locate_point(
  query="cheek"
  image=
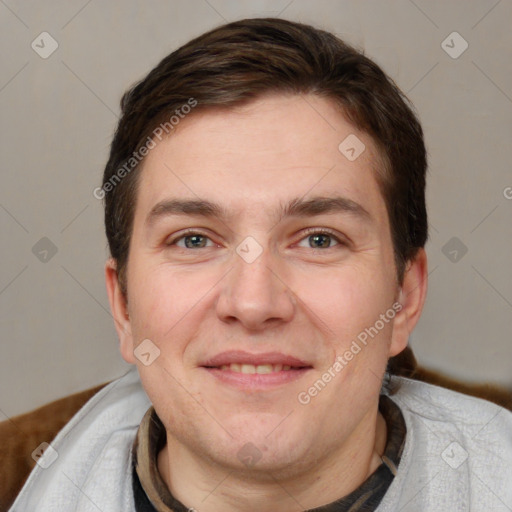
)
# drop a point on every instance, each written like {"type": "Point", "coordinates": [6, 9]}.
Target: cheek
{"type": "Point", "coordinates": [161, 298]}
{"type": "Point", "coordinates": [346, 302]}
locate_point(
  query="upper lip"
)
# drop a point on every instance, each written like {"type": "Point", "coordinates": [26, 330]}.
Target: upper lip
{"type": "Point", "coordinates": [241, 357]}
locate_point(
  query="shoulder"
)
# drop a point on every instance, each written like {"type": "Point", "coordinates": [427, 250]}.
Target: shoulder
{"type": "Point", "coordinates": [457, 453]}
{"type": "Point", "coordinates": [446, 407]}
{"type": "Point", "coordinates": [91, 455]}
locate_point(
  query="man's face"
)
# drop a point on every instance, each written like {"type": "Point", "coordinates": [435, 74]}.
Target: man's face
{"type": "Point", "coordinates": [259, 284]}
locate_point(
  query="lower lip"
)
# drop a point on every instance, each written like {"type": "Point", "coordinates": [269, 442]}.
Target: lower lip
{"type": "Point", "coordinates": [257, 380]}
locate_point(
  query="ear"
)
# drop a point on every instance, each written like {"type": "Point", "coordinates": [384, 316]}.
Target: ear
{"type": "Point", "coordinates": [412, 298]}
{"type": "Point", "coordinates": [119, 309]}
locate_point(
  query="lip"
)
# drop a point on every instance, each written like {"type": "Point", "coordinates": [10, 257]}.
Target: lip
{"type": "Point", "coordinates": [242, 357]}
{"type": "Point", "coordinates": [255, 381]}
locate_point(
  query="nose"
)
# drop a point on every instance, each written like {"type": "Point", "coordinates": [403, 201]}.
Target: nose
{"type": "Point", "coordinates": [256, 293]}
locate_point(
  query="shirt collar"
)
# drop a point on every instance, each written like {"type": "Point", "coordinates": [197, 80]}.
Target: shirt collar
{"type": "Point", "coordinates": [152, 494]}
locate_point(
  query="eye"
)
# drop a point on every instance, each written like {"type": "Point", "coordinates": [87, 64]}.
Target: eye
{"type": "Point", "coordinates": [321, 239]}
{"type": "Point", "coordinates": [315, 238]}
{"type": "Point", "coordinates": [191, 240]}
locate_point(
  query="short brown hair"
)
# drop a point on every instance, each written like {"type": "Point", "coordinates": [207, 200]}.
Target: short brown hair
{"type": "Point", "coordinates": [240, 61]}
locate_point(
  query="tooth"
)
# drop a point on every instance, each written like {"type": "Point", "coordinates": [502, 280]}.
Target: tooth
{"type": "Point", "coordinates": [251, 369]}
{"type": "Point", "coordinates": [264, 368]}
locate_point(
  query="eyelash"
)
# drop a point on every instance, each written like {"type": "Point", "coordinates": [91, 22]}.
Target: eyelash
{"type": "Point", "coordinates": [307, 233]}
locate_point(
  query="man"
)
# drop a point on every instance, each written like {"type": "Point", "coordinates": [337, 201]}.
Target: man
{"type": "Point", "coordinates": [265, 212]}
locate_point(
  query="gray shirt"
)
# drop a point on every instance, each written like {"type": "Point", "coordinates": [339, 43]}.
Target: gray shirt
{"type": "Point", "coordinates": [457, 454]}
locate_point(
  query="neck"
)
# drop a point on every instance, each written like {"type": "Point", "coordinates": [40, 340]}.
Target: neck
{"type": "Point", "coordinates": [208, 487]}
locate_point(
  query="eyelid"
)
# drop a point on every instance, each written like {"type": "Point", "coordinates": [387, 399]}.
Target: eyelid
{"type": "Point", "coordinates": [184, 233]}
{"type": "Point", "coordinates": [324, 231]}
{"type": "Point", "coordinates": [305, 233]}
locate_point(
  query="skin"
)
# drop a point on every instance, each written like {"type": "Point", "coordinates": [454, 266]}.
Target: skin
{"type": "Point", "coordinates": [299, 297]}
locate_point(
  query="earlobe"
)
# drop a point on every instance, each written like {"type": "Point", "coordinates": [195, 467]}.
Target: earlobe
{"type": "Point", "coordinates": [119, 310]}
{"type": "Point", "coordinates": [412, 299]}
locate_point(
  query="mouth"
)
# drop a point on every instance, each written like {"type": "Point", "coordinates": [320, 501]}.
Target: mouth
{"type": "Point", "coordinates": [260, 369]}
{"type": "Point", "coordinates": [255, 371]}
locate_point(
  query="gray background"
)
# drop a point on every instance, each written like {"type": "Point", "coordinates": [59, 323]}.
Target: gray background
{"type": "Point", "coordinates": [59, 113]}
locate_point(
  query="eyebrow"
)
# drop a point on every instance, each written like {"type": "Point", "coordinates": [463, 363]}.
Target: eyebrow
{"type": "Point", "coordinates": [297, 207]}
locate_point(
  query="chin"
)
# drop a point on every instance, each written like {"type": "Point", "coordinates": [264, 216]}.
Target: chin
{"type": "Point", "coordinates": [260, 449]}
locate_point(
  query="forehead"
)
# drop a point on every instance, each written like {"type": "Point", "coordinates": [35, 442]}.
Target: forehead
{"type": "Point", "coordinates": [254, 159]}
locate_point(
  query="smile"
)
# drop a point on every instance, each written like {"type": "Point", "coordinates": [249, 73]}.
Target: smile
{"type": "Point", "coordinates": [250, 368]}
{"type": "Point", "coordinates": [252, 371]}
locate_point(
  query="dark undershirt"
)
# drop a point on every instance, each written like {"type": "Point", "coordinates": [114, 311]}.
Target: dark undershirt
{"type": "Point", "coordinates": [151, 438]}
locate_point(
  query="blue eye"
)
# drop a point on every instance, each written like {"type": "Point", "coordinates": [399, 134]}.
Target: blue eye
{"type": "Point", "coordinates": [321, 239]}
{"type": "Point", "coordinates": [315, 238]}
{"type": "Point", "coordinates": [191, 241]}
